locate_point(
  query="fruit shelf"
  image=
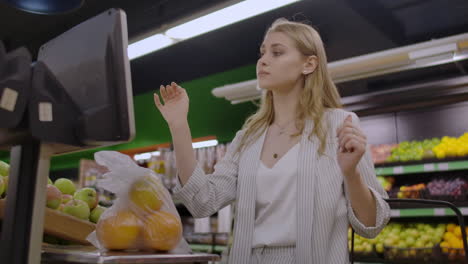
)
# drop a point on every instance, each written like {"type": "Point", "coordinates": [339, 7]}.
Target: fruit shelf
{"type": "Point", "coordinates": [397, 258]}
{"type": "Point", "coordinates": [61, 225]}
{"type": "Point", "coordinates": [428, 166]}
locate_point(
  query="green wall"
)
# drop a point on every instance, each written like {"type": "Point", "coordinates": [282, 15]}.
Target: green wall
{"type": "Point", "coordinates": [208, 115]}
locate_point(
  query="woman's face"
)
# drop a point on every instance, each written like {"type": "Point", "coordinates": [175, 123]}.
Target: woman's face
{"type": "Point", "coordinates": [280, 65]}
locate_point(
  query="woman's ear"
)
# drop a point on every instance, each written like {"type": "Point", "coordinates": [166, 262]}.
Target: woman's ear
{"type": "Point", "coordinates": [310, 65]}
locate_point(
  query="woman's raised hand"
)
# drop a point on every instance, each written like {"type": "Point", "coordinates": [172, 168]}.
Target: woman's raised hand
{"type": "Point", "coordinates": [175, 105]}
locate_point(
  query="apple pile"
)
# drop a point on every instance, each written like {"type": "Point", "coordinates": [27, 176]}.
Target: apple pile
{"type": "Point", "coordinates": [381, 152]}
{"type": "Point", "coordinates": [4, 172]}
{"type": "Point", "coordinates": [452, 147]}
{"type": "Point", "coordinates": [361, 244]}
{"type": "Point", "coordinates": [82, 203]}
{"type": "Point", "coordinates": [403, 236]}
{"type": "Point", "coordinates": [454, 187]}
{"type": "Point", "coordinates": [414, 150]}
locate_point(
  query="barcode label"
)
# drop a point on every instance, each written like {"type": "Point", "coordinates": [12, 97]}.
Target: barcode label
{"type": "Point", "coordinates": [429, 167]}
{"type": "Point", "coordinates": [443, 166]}
{"type": "Point", "coordinates": [398, 170]}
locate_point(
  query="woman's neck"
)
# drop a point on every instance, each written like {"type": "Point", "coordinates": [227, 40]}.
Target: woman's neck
{"type": "Point", "coordinates": [285, 106]}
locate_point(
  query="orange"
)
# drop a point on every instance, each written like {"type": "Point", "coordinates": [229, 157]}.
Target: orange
{"type": "Point", "coordinates": [144, 193]}
{"type": "Point", "coordinates": [119, 231]}
{"type": "Point", "coordinates": [162, 231]}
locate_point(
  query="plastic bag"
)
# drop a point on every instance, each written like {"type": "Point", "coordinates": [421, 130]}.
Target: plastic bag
{"type": "Point", "coordinates": [143, 216]}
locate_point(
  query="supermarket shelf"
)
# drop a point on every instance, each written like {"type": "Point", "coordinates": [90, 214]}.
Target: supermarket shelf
{"type": "Point", "coordinates": [424, 167]}
{"type": "Point", "coordinates": [426, 212]}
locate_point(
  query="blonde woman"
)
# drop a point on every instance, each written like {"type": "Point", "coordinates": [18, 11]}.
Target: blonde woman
{"type": "Point", "coordinates": [299, 171]}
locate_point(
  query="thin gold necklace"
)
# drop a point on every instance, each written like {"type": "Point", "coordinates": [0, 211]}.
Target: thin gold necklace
{"type": "Point", "coordinates": [283, 128]}
{"type": "Point", "coordinates": [281, 132]}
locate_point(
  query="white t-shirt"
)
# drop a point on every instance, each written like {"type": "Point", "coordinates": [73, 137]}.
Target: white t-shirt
{"type": "Point", "coordinates": [275, 208]}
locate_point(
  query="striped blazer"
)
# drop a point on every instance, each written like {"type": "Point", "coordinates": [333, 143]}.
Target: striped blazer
{"type": "Point", "coordinates": [323, 209]}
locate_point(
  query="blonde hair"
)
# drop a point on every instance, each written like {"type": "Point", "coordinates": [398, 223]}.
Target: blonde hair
{"type": "Point", "coordinates": [318, 94]}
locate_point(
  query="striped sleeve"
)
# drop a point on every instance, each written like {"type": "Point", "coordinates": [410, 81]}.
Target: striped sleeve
{"type": "Point", "coordinates": [367, 171]}
{"type": "Point", "coordinates": [205, 194]}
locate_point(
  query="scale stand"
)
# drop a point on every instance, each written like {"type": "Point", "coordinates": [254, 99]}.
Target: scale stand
{"type": "Point", "coordinates": [24, 216]}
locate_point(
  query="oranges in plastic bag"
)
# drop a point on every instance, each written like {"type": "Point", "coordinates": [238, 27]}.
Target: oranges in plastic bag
{"type": "Point", "coordinates": [162, 231]}
{"type": "Point", "coordinates": [119, 231]}
{"type": "Point", "coordinates": [144, 195]}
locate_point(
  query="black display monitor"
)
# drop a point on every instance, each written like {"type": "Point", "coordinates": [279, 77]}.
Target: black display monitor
{"type": "Point", "coordinates": [80, 96]}
{"type": "Point", "coordinates": [81, 86]}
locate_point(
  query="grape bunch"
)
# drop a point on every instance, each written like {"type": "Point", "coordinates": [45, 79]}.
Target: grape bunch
{"type": "Point", "coordinates": [455, 187]}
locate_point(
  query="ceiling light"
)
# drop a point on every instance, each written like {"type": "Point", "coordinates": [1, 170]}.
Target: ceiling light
{"type": "Point", "coordinates": [148, 45]}
{"type": "Point", "coordinates": [426, 54]}
{"type": "Point", "coordinates": [224, 17]}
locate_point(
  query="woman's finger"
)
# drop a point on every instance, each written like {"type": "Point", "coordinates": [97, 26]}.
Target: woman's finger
{"type": "Point", "coordinates": [157, 101]}
{"type": "Point", "coordinates": [162, 90]}
{"type": "Point", "coordinates": [169, 92]}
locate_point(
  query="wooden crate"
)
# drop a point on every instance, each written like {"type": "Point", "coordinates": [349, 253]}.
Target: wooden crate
{"type": "Point", "coordinates": [61, 225]}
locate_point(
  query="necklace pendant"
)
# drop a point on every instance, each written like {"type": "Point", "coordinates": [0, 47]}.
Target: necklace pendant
{"type": "Point", "coordinates": [275, 155]}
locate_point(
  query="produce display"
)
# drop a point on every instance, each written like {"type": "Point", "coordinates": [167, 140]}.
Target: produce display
{"type": "Point", "coordinates": [63, 196]}
{"type": "Point", "coordinates": [413, 191]}
{"type": "Point", "coordinates": [441, 187]}
{"type": "Point", "coordinates": [440, 148]}
{"type": "Point", "coordinates": [397, 241]}
{"type": "Point", "coordinates": [452, 147]}
{"type": "Point", "coordinates": [414, 150]}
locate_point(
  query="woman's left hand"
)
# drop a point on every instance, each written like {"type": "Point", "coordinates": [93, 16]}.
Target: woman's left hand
{"type": "Point", "coordinates": [351, 146]}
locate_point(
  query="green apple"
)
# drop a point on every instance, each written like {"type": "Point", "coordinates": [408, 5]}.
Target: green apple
{"type": "Point", "coordinates": [49, 181]}
{"type": "Point", "coordinates": [96, 213]}
{"type": "Point", "coordinates": [77, 208]}
{"type": "Point", "coordinates": [66, 198]}
{"type": "Point", "coordinates": [4, 168]}
{"type": "Point", "coordinates": [2, 186]}
{"type": "Point", "coordinates": [88, 195]}
{"type": "Point", "coordinates": [66, 186]}
{"type": "Point", "coordinates": [5, 182]}
{"type": "Point", "coordinates": [54, 197]}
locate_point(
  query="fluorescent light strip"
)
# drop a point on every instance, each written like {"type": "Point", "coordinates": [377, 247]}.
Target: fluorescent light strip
{"type": "Point", "coordinates": [146, 155]}
{"type": "Point", "coordinates": [204, 144]}
{"type": "Point", "coordinates": [204, 24]}
{"type": "Point", "coordinates": [224, 17]}
{"type": "Point", "coordinates": [147, 45]}
{"type": "Point", "coordinates": [201, 144]}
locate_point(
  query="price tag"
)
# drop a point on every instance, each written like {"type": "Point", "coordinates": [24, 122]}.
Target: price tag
{"type": "Point", "coordinates": [429, 167]}
{"type": "Point", "coordinates": [398, 170]}
{"type": "Point", "coordinates": [443, 166]}
{"type": "Point", "coordinates": [395, 213]}
{"type": "Point", "coordinates": [439, 212]}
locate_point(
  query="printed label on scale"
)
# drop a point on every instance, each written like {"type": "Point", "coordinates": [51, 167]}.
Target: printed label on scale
{"type": "Point", "coordinates": [8, 100]}
{"type": "Point", "coordinates": [45, 112]}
